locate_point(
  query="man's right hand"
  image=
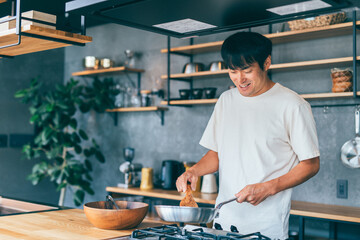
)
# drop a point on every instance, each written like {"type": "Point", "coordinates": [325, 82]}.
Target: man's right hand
{"type": "Point", "coordinates": [188, 176]}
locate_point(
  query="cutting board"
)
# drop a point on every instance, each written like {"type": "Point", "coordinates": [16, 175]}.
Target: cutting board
{"type": "Point", "coordinates": [30, 14]}
{"type": "Point", "coordinates": [63, 224]}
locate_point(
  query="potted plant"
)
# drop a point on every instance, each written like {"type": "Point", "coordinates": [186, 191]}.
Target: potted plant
{"type": "Point", "coordinates": [65, 150]}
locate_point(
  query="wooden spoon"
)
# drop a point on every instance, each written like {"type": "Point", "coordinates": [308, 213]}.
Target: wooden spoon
{"type": "Point", "coordinates": [188, 200]}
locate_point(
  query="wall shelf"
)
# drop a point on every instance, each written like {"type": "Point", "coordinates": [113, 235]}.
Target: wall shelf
{"type": "Point", "coordinates": [305, 96]}
{"type": "Point", "coordinates": [333, 62]}
{"type": "Point", "coordinates": [190, 102]}
{"type": "Point", "coordinates": [93, 72]}
{"type": "Point", "coordinates": [36, 39]}
{"type": "Point", "coordinates": [138, 109]}
{"type": "Point", "coordinates": [156, 109]}
{"type": "Point", "coordinates": [282, 37]}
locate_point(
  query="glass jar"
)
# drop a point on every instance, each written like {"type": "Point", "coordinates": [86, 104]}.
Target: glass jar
{"type": "Point", "coordinates": [135, 98]}
{"type": "Point", "coordinates": [145, 98]}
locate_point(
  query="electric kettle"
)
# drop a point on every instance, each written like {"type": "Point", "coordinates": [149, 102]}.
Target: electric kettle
{"type": "Point", "coordinates": [170, 171]}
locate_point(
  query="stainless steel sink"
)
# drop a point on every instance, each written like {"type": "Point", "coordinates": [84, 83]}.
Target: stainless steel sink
{"type": "Point", "coordinates": [11, 206]}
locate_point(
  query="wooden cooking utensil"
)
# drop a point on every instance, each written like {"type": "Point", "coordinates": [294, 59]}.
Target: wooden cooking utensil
{"type": "Point", "coordinates": [188, 200]}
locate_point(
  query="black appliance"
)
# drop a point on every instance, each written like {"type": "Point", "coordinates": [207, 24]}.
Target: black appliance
{"type": "Point", "coordinates": [170, 171]}
{"type": "Point", "coordinates": [190, 232]}
{"type": "Point", "coordinates": [189, 18]}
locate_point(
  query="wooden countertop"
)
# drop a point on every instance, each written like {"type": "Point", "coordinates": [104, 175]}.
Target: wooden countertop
{"type": "Point", "coordinates": [298, 208]}
{"type": "Point", "coordinates": [63, 224]}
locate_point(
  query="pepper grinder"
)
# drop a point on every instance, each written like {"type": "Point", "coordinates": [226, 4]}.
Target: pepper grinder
{"type": "Point", "coordinates": [130, 169]}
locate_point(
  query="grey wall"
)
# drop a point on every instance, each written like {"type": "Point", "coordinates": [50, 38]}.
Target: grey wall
{"type": "Point", "coordinates": [15, 74]}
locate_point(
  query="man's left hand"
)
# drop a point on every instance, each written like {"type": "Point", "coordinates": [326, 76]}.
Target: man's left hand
{"type": "Point", "coordinates": [254, 193]}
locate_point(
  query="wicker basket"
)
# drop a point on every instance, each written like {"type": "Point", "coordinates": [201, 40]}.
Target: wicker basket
{"type": "Point", "coordinates": [320, 21]}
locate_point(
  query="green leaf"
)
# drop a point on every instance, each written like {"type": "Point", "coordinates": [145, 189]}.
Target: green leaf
{"type": "Point", "coordinates": [87, 153]}
{"type": "Point", "coordinates": [73, 123]}
{"type": "Point", "coordinates": [100, 156]}
{"type": "Point", "coordinates": [77, 149]}
{"type": "Point", "coordinates": [34, 118]}
{"type": "Point", "coordinates": [21, 93]}
{"type": "Point", "coordinates": [62, 185]}
{"type": "Point", "coordinates": [88, 164]}
{"type": "Point", "coordinates": [83, 135]}
{"type": "Point", "coordinates": [79, 197]}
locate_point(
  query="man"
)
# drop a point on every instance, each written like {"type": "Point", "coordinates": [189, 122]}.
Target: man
{"type": "Point", "coordinates": [261, 138]}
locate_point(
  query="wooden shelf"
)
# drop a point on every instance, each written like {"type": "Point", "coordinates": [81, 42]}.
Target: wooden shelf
{"type": "Point", "coordinates": [191, 102]}
{"type": "Point", "coordinates": [32, 44]}
{"type": "Point", "coordinates": [333, 62]}
{"type": "Point", "coordinates": [106, 71]}
{"type": "Point", "coordinates": [305, 96]}
{"type": "Point", "coordinates": [138, 109]}
{"type": "Point", "coordinates": [282, 37]}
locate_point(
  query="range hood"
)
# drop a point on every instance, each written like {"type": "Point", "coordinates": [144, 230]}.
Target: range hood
{"type": "Point", "coordinates": [188, 18]}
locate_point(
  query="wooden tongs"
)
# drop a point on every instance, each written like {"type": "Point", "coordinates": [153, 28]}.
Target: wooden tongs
{"type": "Point", "coordinates": [188, 200]}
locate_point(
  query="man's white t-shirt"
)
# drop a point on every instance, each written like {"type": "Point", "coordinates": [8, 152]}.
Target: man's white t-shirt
{"type": "Point", "coordinates": [258, 139]}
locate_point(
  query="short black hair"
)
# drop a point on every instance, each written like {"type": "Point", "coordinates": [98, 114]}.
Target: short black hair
{"type": "Point", "coordinates": [242, 49]}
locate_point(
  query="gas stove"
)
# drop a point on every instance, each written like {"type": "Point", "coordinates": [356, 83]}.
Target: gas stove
{"type": "Point", "coordinates": [190, 232]}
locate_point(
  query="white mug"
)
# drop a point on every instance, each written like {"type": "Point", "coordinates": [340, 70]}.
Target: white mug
{"type": "Point", "coordinates": [209, 184]}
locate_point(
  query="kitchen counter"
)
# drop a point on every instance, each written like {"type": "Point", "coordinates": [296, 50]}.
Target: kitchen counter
{"type": "Point", "coordinates": [62, 224]}
{"type": "Point", "coordinates": [298, 208]}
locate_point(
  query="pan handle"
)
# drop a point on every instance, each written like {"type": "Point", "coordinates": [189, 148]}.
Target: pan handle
{"type": "Point", "coordinates": [224, 202]}
{"type": "Point", "coordinates": [357, 122]}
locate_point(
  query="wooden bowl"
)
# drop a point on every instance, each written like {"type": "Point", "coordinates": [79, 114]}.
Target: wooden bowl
{"type": "Point", "coordinates": [128, 216]}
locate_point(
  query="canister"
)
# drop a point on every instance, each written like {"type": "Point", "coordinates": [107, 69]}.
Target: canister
{"type": "Point", "coordinates": [146, 179]}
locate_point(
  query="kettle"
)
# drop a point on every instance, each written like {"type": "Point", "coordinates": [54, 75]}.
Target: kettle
{"type": "Point", "coordinates": [170, 171]}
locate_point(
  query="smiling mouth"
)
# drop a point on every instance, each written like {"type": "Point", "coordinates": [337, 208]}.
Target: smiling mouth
{"type": "Point", "coordinates": [244, 86]}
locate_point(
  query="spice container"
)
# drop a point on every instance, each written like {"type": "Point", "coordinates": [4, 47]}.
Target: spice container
{"type": "Point", "coordinates": [342, 80]}
{"type": "Point", "coordinates": [145, 98]}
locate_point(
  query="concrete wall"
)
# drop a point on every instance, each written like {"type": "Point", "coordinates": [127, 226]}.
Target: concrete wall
{"type": "Point", "coordinates": [178, 138]}
{"type": "Point", "coordinates": [15, 74]}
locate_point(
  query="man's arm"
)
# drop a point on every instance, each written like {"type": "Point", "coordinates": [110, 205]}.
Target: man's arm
{"type": "Point", "coordinates": [256, 193]}
{"type": "Point", "coordinates": [209, 163]}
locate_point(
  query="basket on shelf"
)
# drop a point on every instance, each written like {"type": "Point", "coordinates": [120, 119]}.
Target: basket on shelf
{"type": "Point", "coordinates": [319, 21]}
{"type": "Point", "coordinates": [342, 80]}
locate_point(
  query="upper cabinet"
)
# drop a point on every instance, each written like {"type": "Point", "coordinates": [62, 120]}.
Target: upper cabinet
{"type": "Point", "coordinates": [276, 38]}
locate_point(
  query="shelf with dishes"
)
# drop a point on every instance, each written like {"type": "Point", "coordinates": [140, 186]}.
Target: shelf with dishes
{"type": "Point", "coordinates": [102, 71]}
{"type": "Point", "coordinates": [332, 62]}
{"type": "Point", "coordinates": [36, 39]}
{"type": "Point", "coordinates": [308, 96]}
{"type": "Point", "coordinates": [276, 38]}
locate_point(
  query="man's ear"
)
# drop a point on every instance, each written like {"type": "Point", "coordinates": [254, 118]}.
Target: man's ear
{"type": "Point", "coordinates": [267, 63]}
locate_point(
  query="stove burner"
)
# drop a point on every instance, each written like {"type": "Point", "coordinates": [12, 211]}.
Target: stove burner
{"type": "Point", "coordinates": [173, 232]}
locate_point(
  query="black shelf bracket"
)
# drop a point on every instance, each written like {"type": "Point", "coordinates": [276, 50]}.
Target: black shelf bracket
{"type": "Point", "coordinates": [354, 56]}
{"type": "Point", "coordinates": [161, 114]}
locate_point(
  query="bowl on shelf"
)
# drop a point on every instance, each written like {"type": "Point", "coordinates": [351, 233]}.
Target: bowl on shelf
{"type": "Point", "coordinates": [128, 216]}
{"type": "Point", "coordinates": [197, 93]}
{"type": "Point", "coordinates": [217, 66]}
{"type": "Point", "coordinates": [184, 93]}
{"type": "Point", "coordinates": [193, 67]}
{"type": "Point", "coordinates": [210, 92]}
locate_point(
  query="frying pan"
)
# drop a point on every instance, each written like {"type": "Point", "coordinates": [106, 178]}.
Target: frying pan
{"type": "Point", "coordinates": [351, 149]}
{"type": "Point", "coordinates": [189, 214]}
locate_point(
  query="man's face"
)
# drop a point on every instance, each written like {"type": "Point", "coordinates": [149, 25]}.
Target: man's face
{"type": "Point", "coordinates": [251, 81]}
